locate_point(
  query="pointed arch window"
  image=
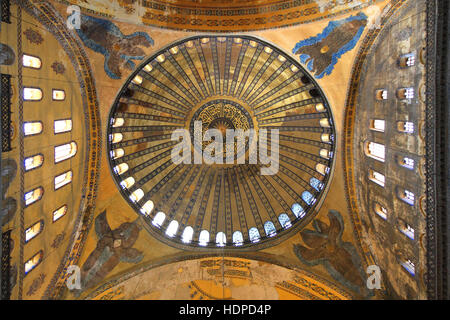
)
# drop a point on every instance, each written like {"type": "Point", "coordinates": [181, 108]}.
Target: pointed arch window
{"type": "Point", "coordinates": [65, 151]}
{"type": "Point", "coordinates": [284, 220]}
{"type": "Point", "coordinates": [33, 162]}
{"type": "Point", "coordinates": [159, 218]}
{"type": "Point", "coordinates": [253, 235]}
{"type": "Point", "coordinates": [32, 128]}
{"type": "Point", "coordinates": [221, 239]}
{"type": "Point", "coordinates": [59, 213]}
{"type": "Point", "coordinates": [33, 262]}
{"type": "Point", "coordinates": [172, 228]}
{"type": "Point", "coordinates": [203, 239]}
{"type": "Point", "coordinates": [188, 232]}
{"type": "Point", "coordinates": [34, 230]}
{"type": "Point", "coordinates": [34, 195]}
{"type": "Point", "coordinates": [269, 228]}
{"type": "Point", "coordinates": [238, 239]}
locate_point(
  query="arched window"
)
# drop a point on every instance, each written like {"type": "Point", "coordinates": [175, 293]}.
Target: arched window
{"type": "Point", "coordinates": [137, 79]}
{"type": "Point", "coordinates": [322, 169]}
{"type": "Point", "coordinates": [159, 219]}
{"type": "Point", "coordinates": [33, 162]}
{"type": "Point", "coordinates": [63, 179]}
{"type": "Point", "coordinates": [58, 94]}
{"type": "Point", "coordinates": [308, 197]}
{"type": "Point", "coordinates": [409, 266]}
{"type": "Point", "coordinates": [253, 235]}
{"type": "Point", "coordinates": [380, 211]}
{"type": "Point", "coordinates": [34, 230]}
{"type": "Point", "coordinates": [238, 239]}
{"type": "Point", "coordinates": [377, 125]}
{"type": "Point", "coordinates": [406, 229]}
{"type": "Point", "coordinates": [381, 94]}
{"type": "Point", "coordinates": [32, 94]}
{"type": "Point", "coordinates": [32, 128]}
{"type": "Point", "coordinates": [221, 239]}
{"type": "Point", "coordinates": [121, 168]}
{"type": "Point", "coordinates": [324, 153]}
{"type": "Point", "coordinates": [117, 153]}
{"type": "Point", "coordinates": [375, 151]}
{"type": "Point", "coordinates": [115, 137]}
{"type": "Point", "coordinates": [172, 228]}
{"type": "Point", "coordinates": [324, 122]}
{"type": "Point", "coordinates": [405, 126]}
{"type": "Point", "coordinates": [127, 183]}
{"type": "Point", "coordinates": [188, 232]}
{"type": "Point", "coordinates": [33, 195]}
{"type": "Point", "coordinates": [33, 262]}
{"type": "Point", "coordinates": [406, 196]}
{"type": "Point", "coordinates": [284, 220]}
{"type": "Point", "coordinates": [316, 184]}
{"type": "Point", "coordinates": [147, 208]}
{"type": "Point", "coordinates": [326, 137]}
{"type": "Point", "coordinates": [297, 210]}
{"type": "Point", "coordinates": [405, 93]}
{"type": "Point", "coordinates": [118, 122]}
{"type": "Point", "coordinates": [203, 239]}
{"type": "Point", "coordinates": [59, 213]}
{"type": "Point", "coordinates": [320, 107]}
{"type": "Point", "coordinates": [148, 68]}
{"type": "Point", "coordinates": [31, 61]}
{"type": "Point", "coordinates": [161, 58]}
{"type": "Point", "coordinates": [376, 177]}
{"type": "Point", "coordinates": [61, 126]}
{"type": "Point", "coordinates": [65, 151]}
{"type": "Point", "coordinates": [406, 162]}
{"type": "Point", "coordinates": [269, 228]}
{"type": "Point", "coordinates": [137, 195]}
{"type": "Point", "coordinates": [407, 60]}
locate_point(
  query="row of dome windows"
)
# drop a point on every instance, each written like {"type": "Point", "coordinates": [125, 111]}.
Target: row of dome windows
{"type": "Point", "coordinates": [377, 151]}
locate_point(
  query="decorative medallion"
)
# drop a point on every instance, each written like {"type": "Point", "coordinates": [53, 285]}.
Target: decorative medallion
{"type": "Point", "coordinates": [36, 284]}
{"type": "Point", "coordinates": [33, 36]}
{"type": "Point", "coordinates": [58, 67]}
{"type": "Point", "coordinates": [58, 240]}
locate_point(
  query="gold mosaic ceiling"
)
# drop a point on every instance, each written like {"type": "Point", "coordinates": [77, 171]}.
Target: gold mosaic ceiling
{"type": "Point", "coordinates": [228, 83]}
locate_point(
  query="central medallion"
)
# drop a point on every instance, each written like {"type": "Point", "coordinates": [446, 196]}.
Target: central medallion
{"type": "Point", "coordinates": [223, 115]}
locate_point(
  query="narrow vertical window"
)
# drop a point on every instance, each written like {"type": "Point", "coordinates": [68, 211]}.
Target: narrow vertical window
{"type": "Point", "coordinates": [147, 208]}
{"type": "Point", "coordinates": [316, 184]}
{"type": "Point", "coordinates": [269, 229]}
{"type": "Point", "coordinates": [33, 162]}
{"type": "Point", "coordinates": [137, 195]}
{"type": "Point", "coordinates": [121, 168]}
{"type": "Point", "coordinates": [238, 239]}
{"type": "Point", "coordinates": [61, 126]}
{"type": "Point", "coordinates": [172, 228]}
{"type": "Point", "coordinates": [59, 213]}
{"type": "Point", "coordinates": [115, 137]}
{"type": "Point", "coordinates": [127, 183]}
{"type": "Point", "coordinates": [203, 239]}
{"type": "Point", "coordinates": [58, 94]}
{"type": "Point", "coordinates": [188, 232]}
{"type": "Point", "coordinates": [32, 94]}
{"type": "Point", "coordinates": [284, 220]}
{"type": "Point", "coordinates": [32, 128]}
{"type": "Point", "coordinates": [159, 218]}
{"type": "Point", "coordinates": [117, 153]}
{"type": "Point", "coordinates": [308, 198]}
{"type": "Point", "coordinates": [33, 196]}
{"type": "Point", "coordinates": [33, 262]}
{"type": "Point", "coordinates": [63, 179]}
{"type": "Point", "coordinates": [65, 151]}
{"type": "Point", "coordinates": [221, 239]}
{"type": "Point", "coordinates": [253, 235]}
{"type": "Point", "coordinates": [298, 210]}
{"type": "Point", "coordinates": [29, 61]}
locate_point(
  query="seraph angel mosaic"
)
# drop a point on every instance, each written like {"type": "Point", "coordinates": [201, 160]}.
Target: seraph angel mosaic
{"type": "Point", "coordinates": [321, 53]}
{"type": "Point", "coordinates": [119, 50]}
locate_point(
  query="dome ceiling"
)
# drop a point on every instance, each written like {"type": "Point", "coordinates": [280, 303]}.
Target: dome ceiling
{"type": "Point", "coordinates": [226, 83]}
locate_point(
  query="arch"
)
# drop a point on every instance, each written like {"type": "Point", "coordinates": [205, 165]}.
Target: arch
{"type": "Point", "coordinates": [147, 208]}
{"type": "Point", "coordinates": [171, 230]}
{"type": "Point", "coordinates": [221, 239]}
{"type": "Point", "coordinates": [238, 239]}
{"type": "Point", "coordinates": [127, 183]}
{"type": "Point", "coordinates": [187, 235]}
{"type": "Point", "coordinates": [284, 220]}
{"type": "Point", "coordinates": [269, 228]}
{"type": "Point", "coordinates": [137, 195]}
{"type": "Point", "coordinates": [298, 210]}
{"type": "Point", "coordinates": [159, 218]}
{"type": "Point", "coordinates": [308, 197]}
{"type": "Point", "coordinates": [253, 234]}
{"type": "Point", "coordinates": [203, 239]}
{"type": "Point", "coordinates": [316, 183]}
